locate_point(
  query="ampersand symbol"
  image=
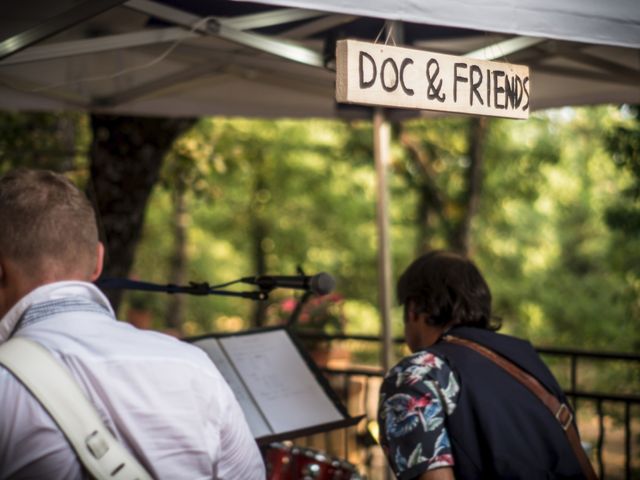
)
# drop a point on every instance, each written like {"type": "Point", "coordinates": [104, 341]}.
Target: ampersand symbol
{"type": "Point", "coordinates": [433, 91]}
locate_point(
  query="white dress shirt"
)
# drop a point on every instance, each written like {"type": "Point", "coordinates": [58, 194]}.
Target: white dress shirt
{"type": "Point", "coordinates": [162, 398]}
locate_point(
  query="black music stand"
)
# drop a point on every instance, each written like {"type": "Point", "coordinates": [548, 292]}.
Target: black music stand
{"type": "Point", "coordinates": [282, 392]}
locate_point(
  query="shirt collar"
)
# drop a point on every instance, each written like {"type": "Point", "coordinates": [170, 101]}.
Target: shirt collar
{"type": "Point", "coordinates": [51, 291]}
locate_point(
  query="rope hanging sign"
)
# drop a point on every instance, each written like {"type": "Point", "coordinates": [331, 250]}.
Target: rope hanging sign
{"type": "Point", "coordinates": [390, 76]}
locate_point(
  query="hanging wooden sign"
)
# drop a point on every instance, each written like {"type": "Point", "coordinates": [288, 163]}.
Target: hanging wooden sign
{"type": "Point", "coordinates": [376, 74]}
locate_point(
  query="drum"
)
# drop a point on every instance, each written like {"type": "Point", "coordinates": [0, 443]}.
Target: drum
{"type": "Point", "coordinates": [343, 470]}
{"type": "Point", "coordinates": [298, 463]}
{"type": "Point", "coordinates": [309, 464]}
{"type": "Point", "coordinates": [277, 459]}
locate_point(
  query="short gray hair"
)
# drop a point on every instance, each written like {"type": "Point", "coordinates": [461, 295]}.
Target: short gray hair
{"type": "Point", "coordinates": [46, 222]}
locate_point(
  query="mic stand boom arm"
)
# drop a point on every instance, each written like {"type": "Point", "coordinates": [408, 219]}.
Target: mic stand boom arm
{"type": "Point", "coordinates": [192, 289]}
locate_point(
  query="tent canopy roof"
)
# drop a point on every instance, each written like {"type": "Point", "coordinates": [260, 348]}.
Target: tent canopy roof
{"type": "Point", "coordinates": [270, 59]}
{"type": "Point", "coordinates": [590, 21]}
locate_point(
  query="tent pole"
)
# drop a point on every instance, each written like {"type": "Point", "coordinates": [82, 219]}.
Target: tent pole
{"type": "Point", "coordinates": [382, 154]}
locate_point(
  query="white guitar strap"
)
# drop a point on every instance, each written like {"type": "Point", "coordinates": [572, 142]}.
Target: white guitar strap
{"type": "Point", "coordinates": [50, 383]}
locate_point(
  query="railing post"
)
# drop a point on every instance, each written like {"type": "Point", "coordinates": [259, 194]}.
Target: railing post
{"type": "Point", "coordinates": [600, 438]}
{"type": "Point", "coordinates": [627, 440]}
{"type": "Point", "coordinates": [574, 384]}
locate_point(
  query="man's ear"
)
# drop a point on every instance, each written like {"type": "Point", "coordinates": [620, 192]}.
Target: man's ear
{"type": "Point", "coordinates": [412, 313]}
{"type": "Point", "coordinates": [99, 262]}
{"type": "Point", "coordinates": [422, 317]}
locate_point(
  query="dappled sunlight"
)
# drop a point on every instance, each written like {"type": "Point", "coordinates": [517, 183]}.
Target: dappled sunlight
{"type": "Point", "coordinates": [228, 323]}
{"type": "Point", "coordinates": [307, 190]}
{"type": "Point", "coordinates": [361, 317]}
{"type": "Point", "coordinates": [267, 197]}
{"type": "Point", "coordinates": [533, 317]}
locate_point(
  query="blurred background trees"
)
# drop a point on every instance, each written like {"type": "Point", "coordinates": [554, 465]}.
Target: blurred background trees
{"type": "Point", "coordinates": [547, 207]}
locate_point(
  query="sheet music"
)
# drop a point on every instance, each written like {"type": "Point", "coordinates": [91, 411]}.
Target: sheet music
{"type": "Point", "coordinates": [280, 381]}
{"type": "Point", "coordinates": [257, 424]}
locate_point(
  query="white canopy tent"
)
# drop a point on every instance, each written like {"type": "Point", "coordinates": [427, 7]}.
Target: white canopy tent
{"type": "Point", "coordinates": [590, 21]}
{"type": "Point", "coordinates": [220, 57]}
{"type": "Point", "coordinates": [274, 58]}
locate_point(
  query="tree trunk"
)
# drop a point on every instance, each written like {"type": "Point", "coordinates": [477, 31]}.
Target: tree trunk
{"type": "Point", "coordinates": [178, 264]}
{"type": "Point", "coordinates": [423, 220]}
{"type": "Point", "coordinates": [460, 240]}
{"type": "Point", "coordinates": [431, 200]}
{"type": "Point", "coordinates": [126, 156]}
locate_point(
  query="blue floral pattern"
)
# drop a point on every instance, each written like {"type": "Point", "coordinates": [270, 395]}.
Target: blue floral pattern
{"type": "Point", "coordinates": [415, 398]}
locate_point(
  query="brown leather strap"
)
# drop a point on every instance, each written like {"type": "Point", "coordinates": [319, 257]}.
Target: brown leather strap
{"type": "Point", "coordinates": [559, 410]}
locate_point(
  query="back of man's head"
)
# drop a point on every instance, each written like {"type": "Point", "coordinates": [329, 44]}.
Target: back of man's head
{"type": "Point", "coordinates": [48, 226]}
{"type": "Point", "coordinates": [449, 288]}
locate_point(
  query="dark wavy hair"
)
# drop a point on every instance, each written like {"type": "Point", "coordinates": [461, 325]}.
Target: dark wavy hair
{"type": "Point", "coordinates": [449, 288]}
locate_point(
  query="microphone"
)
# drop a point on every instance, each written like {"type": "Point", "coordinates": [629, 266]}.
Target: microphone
{"type": "Point", "coordinates": [321, 283]}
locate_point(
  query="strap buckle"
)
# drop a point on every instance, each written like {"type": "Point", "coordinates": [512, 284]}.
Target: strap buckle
{"type": "Point", "coordinates": [564, 410]}
{"type": "Point", "coordinates": [97, 444]}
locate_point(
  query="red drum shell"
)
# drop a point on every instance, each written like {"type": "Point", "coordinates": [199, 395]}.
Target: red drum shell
{"type": "Point", "coordinates": [278, 462]}
{"type": "Point", "coordinates": [297, 463]}
{"type": "Point", "coordinates": [309, 464]}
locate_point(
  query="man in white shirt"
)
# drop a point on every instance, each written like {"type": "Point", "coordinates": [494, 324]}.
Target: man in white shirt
{"type": "Point", "coordinates": [162, 399]}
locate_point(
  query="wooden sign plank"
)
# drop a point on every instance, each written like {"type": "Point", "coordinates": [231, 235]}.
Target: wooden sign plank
{"type": "Point", "coordinates": [375, 74]}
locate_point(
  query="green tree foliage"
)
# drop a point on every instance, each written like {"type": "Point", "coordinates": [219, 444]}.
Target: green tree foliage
{"type": "Point", "coordinates": [542, 238]}
{"type": "Point", "coordinates": [433, 163]}
{"type": "Point", "coordinates": [56, 142]}
{"type": "Point", "coordinates": [623, 142]}
{"type": "Point", "coordinates": [623, 212]}
{"type": "Point", "coordinates": [284, 194]}
{"type": "Point", "coordinates": [267, 197]}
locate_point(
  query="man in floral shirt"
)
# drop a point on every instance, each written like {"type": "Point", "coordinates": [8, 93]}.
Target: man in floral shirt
{"type": "Point", "coordinates": [448, 412]}
{"type": "Point", "coordinates": [416, 396]}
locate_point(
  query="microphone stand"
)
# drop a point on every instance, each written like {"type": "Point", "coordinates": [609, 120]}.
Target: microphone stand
{"type": "Point", "coordinates": [299, 306]}
{"type": "Point", "coordinates": [193, 288]}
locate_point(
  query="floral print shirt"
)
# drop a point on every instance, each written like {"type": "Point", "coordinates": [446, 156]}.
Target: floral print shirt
{"type": "Point", "coordinates": [415, 398]}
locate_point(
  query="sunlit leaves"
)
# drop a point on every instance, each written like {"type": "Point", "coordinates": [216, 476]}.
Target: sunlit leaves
{"type": "Point", "coordinates": [44, 140]}
{"type": "Point", "coordinates": [556, 233]}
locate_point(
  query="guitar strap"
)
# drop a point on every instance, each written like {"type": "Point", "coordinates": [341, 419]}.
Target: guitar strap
{"type": "Point", "coordinates": [559, 410]}
{"type": "Point", "coordinates": [56, 390]}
